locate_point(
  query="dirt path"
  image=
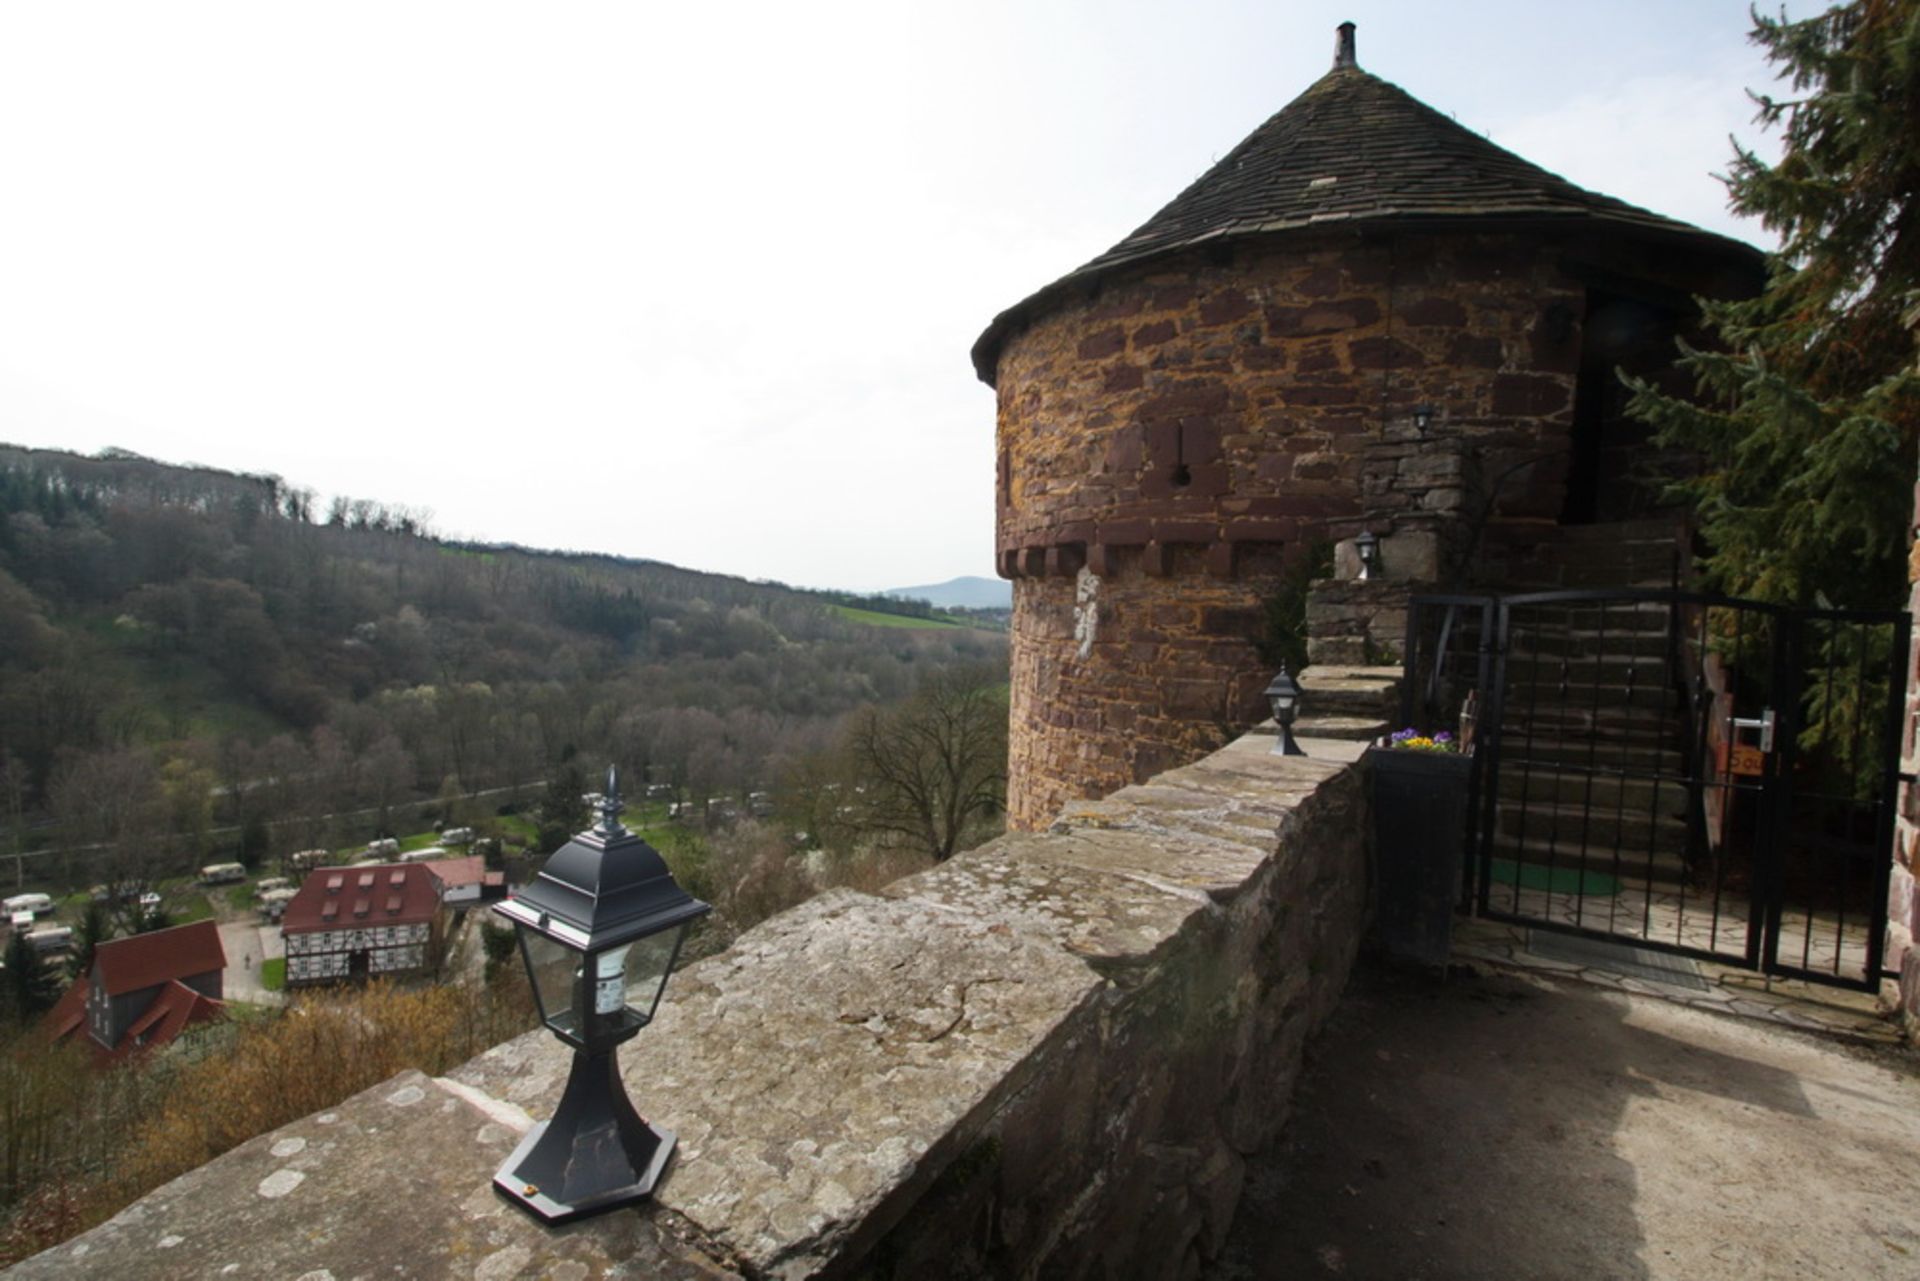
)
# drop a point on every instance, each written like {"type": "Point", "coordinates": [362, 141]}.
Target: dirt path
{"type": "Point", "coordinates": [1494, 1127]}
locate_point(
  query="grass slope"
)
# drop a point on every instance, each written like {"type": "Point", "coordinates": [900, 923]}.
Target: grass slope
{"type": "Point", "coordinates": [874, 619]}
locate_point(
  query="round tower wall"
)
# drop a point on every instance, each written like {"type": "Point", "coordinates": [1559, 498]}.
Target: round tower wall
{"type": "Point", "coordinates": [1166, 444]}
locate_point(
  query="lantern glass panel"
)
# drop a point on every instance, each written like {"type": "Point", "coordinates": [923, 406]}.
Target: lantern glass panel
{"type": "Point", "coordinates": [554, 968]}
{"type": "Point", "coordinates": [648, 962]}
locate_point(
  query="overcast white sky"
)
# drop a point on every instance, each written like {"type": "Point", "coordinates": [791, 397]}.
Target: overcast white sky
{"type": "Point", "coordinates": [687, 281]}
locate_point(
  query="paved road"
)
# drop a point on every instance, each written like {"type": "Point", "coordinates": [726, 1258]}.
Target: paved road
{"type": "Point", "coordinates": [1499, 1127]}
{"type": "Point", "coordinates": [247, 944]}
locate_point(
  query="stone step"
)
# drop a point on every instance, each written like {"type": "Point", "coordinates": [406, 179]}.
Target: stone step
{"type": "Point", "coordinates": [1598, 787]}
{"type": "Point", "coordinates": [1634, 867]}
{"type": "Point", "coordinates": [1354, 729]}
{"type": "Point", "coordinates": [1609, 736]}
{"type": "Point", "coordinates": [1647, 671]}
{"type": "Point", "coordinates": [1602, 619]}
{"type": "Point", "coordinates": [1546, 751]}
{"type": "Point", "coordinates": [1545, 696]}
{"type": "Point", "coordinates": [1628, 576]}
{"type": "Point", "coordinates": [1559, 641]}
{"type": "Point", "coordinates": [1345, 691]}
{"type": "Point", "coordinates": [1572, 826]}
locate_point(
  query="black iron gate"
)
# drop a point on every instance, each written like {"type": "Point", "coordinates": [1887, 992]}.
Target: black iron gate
{"type": "Point", "coordinates": [1687, 773]}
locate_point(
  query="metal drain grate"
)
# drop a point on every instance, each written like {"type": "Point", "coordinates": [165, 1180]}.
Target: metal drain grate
{"type": "Point", "coordinates": [1620, 958]}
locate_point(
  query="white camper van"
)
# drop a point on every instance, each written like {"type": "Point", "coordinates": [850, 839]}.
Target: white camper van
{"type": "Point", "coordinates": [38, 904]}
{"type": "Point", "coordinates": [51, 938]}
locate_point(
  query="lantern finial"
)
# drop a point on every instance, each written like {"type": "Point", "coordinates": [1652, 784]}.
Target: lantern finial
{"type": "Point", "coordinates": [610, 806]}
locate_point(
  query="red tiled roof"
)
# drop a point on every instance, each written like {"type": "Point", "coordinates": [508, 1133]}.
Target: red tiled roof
{"type": "Point", "coordinates": [455, 872]}
{"type": "Point", "coordinates": [177, 1008]}
{"type": "Point", "coordinates": [413, 897]}
{"type": "Point", "coordinates": [144, 960]}
{"type": "Point", "coordinates": [69, 1012]}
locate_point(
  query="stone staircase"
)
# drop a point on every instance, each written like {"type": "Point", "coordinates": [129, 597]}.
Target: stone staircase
{"type": "Point", "coordinates": [1592, 730]}
{"type": "Point", "coordinates": [1629, 554]}
{"type": "Point", "coordinates": [1350, 702]}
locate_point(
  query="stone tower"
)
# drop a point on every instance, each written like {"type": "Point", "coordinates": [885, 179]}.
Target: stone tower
{"type": "Point", "coordinates": [1237, 380]}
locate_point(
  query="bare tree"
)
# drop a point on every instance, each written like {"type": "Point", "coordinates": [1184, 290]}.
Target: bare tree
{"type": "Point", "coordinates": [930, 765]}
{"type": "Point", "coordinates": [112, 802]}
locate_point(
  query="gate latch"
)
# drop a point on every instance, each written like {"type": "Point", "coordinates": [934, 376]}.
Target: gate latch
{"type": "Point", "coordinates": [1762, 722]}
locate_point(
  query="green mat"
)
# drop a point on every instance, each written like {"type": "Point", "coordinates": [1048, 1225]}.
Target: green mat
{"type": "Point", "coordinates": [1558, 880]}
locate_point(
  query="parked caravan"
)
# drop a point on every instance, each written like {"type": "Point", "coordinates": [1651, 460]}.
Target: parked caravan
{"type": "Point", "coordinates": [222, 874]}
{"type": "Point", "coordinates": [51, 938]}
{"type": "Point", "coordinates": [304, 861]}
{"type": "Point", "coordinates": [273, 903]}
{"type": "Point", "coordinates": [38, 904]}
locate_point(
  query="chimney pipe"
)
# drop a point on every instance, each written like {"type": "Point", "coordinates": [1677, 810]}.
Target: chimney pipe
{"type": "Point", "coordinates": [1343, 55]}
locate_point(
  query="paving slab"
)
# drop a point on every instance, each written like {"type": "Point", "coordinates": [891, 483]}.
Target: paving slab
{"type": "Point", "coordinates": [1515, 1125]}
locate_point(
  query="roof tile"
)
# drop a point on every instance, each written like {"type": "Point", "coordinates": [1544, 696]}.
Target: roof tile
{"type": "Point", "coordinates": [1353, 148]}
{"type": "Point", "coordinates": [143, 960]}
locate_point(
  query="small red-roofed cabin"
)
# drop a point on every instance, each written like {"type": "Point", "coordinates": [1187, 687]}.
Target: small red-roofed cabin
{"type": "Point", "coordinates": [142, 992]}
{"type": "Point", "coordinates": [372, 921]}
{"type": "Point", "coordinates": [466, 880]}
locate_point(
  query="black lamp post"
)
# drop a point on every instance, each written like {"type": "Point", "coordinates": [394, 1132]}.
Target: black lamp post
{"type": "Point", "coordinates": [1284, 694]}
{"type": "Point", "coordinates": [1367, 544]}
{"type": "Point", "coordinates": [600, 929]}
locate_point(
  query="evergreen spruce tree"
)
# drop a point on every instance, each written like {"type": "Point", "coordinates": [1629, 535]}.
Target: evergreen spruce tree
{"type": "Point", "coordinates": [95, 928]}
{"type": "Point", "coordinates": [1811, 405]}
{"type": "Point", "coordinates": [29, 987]}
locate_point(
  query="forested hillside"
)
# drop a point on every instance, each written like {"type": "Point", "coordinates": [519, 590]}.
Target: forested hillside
{"type": "Point", "coordinates": [186, 650]}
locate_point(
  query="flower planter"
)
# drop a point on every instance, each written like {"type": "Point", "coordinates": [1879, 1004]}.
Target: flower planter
{"type": "Point", "coordinates": [1419, 802]}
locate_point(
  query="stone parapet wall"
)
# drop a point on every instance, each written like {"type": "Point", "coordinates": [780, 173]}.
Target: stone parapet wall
{"type": "Point", "coordinates": [1049, 1056]}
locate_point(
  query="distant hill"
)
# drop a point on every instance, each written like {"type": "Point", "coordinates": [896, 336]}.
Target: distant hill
{"type": "Point", "coordinates": [961, 593]}
{"type": "Point", "coordinates": [157, 618]}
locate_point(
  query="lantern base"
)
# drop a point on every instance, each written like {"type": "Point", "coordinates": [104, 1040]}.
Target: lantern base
{"type": "Point", "coordinates": [1284, 744]}
{"type": "Point", "coordinates": [595, 1154]}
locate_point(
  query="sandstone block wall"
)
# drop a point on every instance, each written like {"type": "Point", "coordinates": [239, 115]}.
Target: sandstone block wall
{"type": "Point", "coordinates": [1165, 444]}
{"type": "Point", "coordinates": [1050, 1056]}
{"type": "Point", "coordinates": [1118, 676]}
{"type": "Point", "coordinates": [1359, 623]}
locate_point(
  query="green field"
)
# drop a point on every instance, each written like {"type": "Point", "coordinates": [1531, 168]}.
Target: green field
{"type": "Point", "coordinates": [518, 827]}
{"type": "Point", "coordinates": [875, 619]}
{"type": "Point", "coordinates": [273, 973]}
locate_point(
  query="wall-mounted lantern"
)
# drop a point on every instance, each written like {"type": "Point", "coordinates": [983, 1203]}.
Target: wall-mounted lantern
{"type": "Point", "coordinates": [1367, 545]}
{"type": "Point", "coordinates": [1284, 695]}
{"type": "Point", "coordinates": [1423, 416]}
{"type": "Point", "coordinates": [600, 930]}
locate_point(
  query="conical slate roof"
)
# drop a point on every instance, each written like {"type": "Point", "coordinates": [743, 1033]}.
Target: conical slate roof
{"type": "Point", "coordinates": [1352, 149]}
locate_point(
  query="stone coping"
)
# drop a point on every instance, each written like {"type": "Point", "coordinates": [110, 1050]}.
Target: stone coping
{"type": "Point", "coordinates": [821, 1073]}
